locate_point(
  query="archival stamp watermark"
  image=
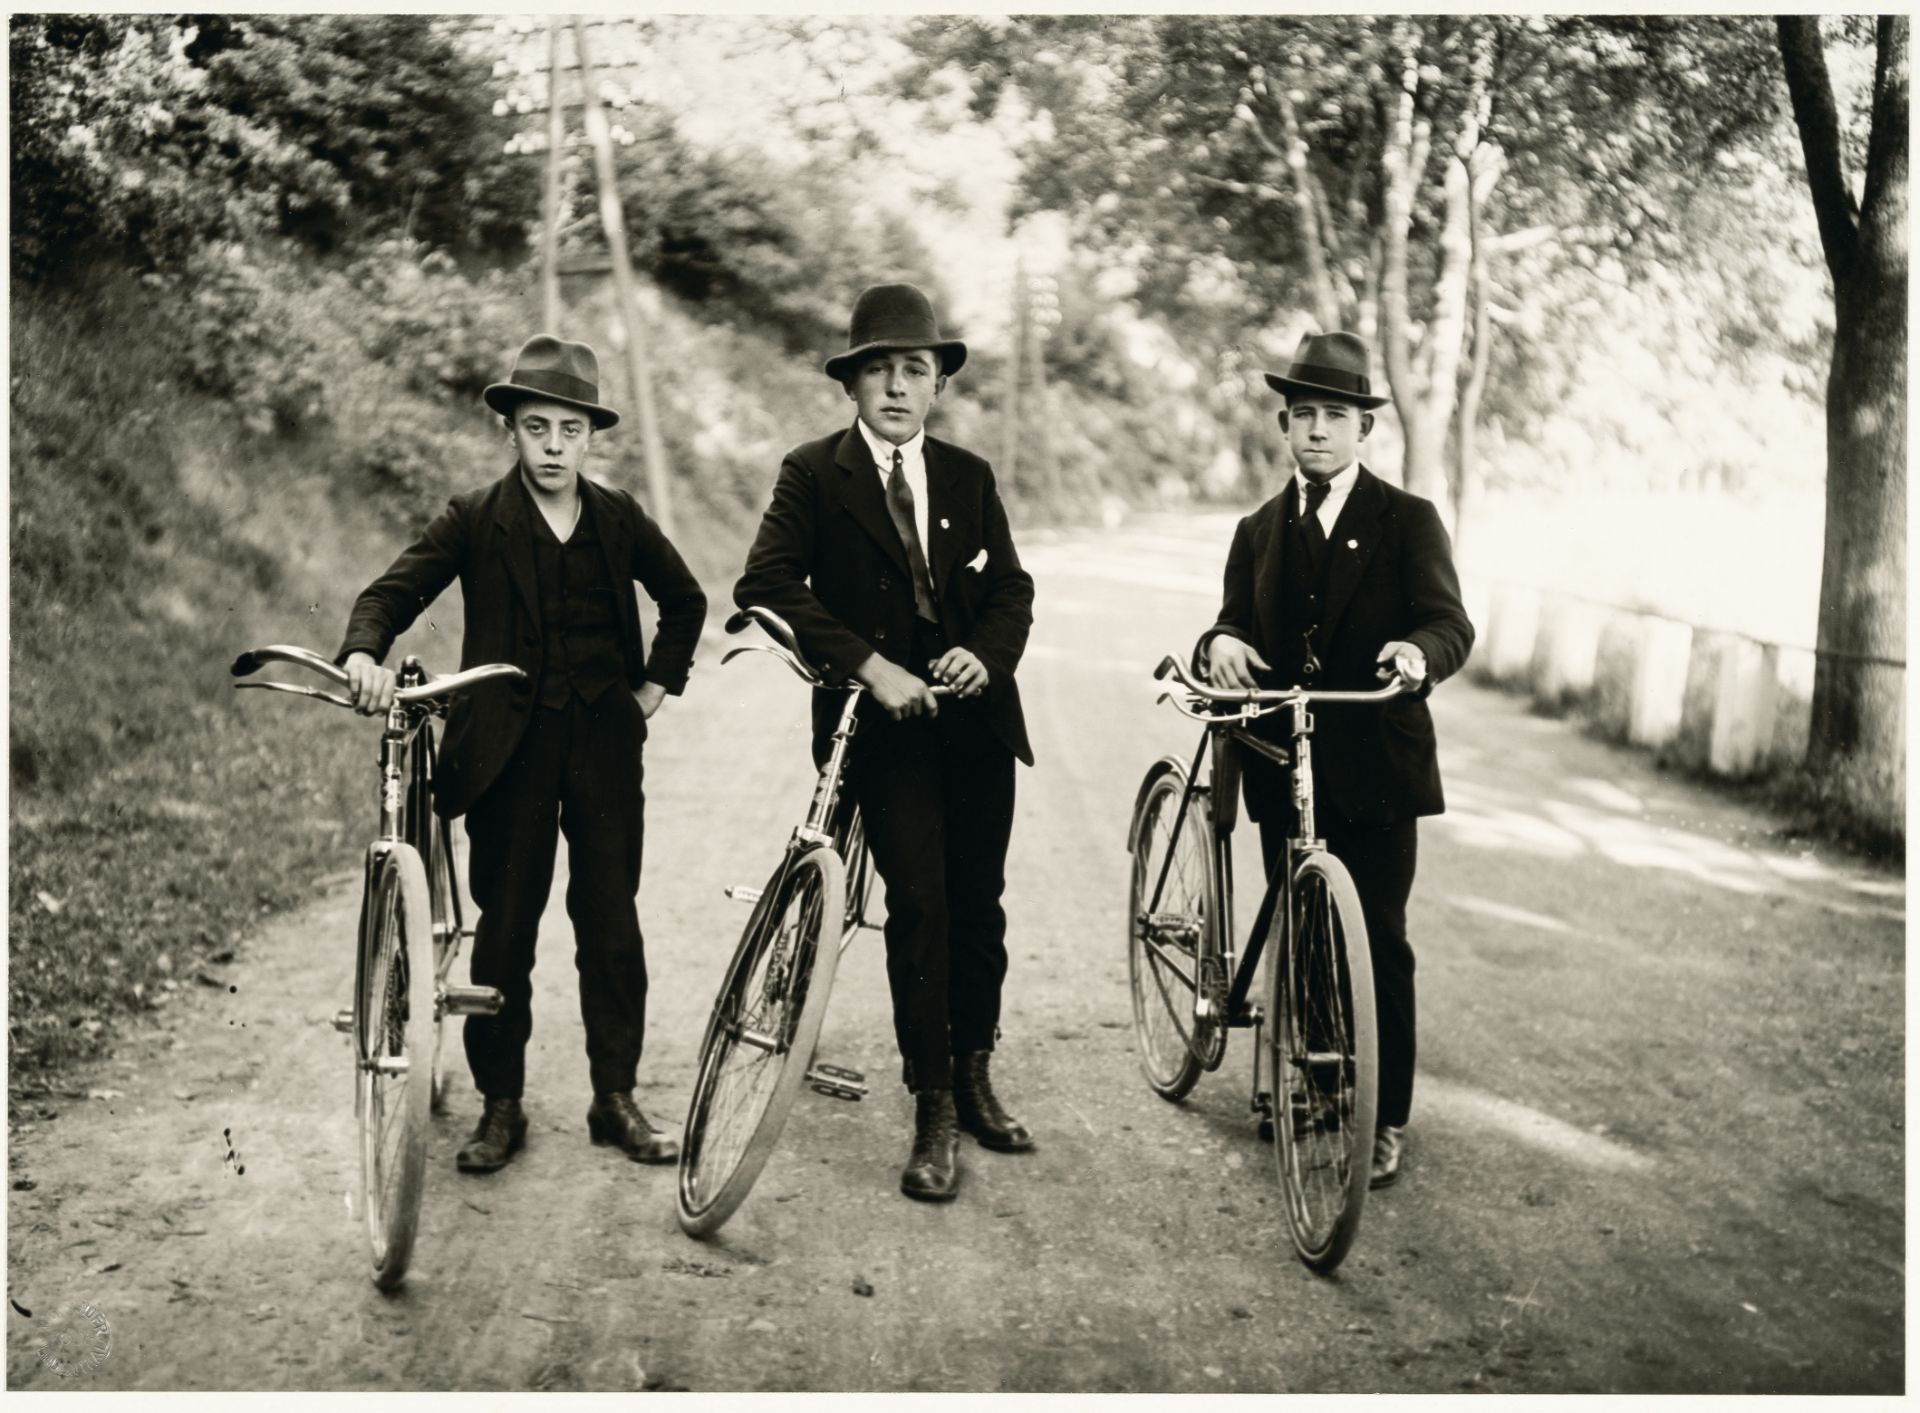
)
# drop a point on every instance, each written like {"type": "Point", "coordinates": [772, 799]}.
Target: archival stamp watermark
{"type": "Point", "coordinates": [78, 1341]}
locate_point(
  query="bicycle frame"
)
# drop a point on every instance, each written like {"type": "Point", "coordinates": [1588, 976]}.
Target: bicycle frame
{"type": "Point", "coordinates": [1226, 722]}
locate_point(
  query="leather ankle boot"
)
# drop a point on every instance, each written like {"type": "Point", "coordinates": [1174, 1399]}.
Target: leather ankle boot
{"type": "Point", "coordinates": [500, 1132]}
{"type": "Point", "coordinates": [932, 1173]}
{"type": "Point", "coordinates": [616, 1119]}
{"type": "Point", "coordinates": [979, 1110]}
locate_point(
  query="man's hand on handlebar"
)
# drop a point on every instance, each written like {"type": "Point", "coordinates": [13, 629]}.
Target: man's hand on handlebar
{"type": "Point", "coordinates": [1402, 662]}
{"type": "Point", "coordinates": [896, 689]}
{"type": "Point", "coordinates": [1231, 664]}
{"type": "Point", "coordinates": [370, 684]}
{"type": "Point", "coordinates": [962, 671]}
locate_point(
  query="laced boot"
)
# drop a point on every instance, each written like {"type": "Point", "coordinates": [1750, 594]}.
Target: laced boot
{"type": "Point", "coordinates": [616, 1119]}
{"type": "Point", "coordinates": [499, 1134]}
{"type": "Point", "coordinates": [931, 1173]}
{"type": "Point", "coordinates": [979, 1110]}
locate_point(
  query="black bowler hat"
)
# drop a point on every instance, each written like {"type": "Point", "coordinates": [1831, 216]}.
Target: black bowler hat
{"type": "Point", "coordinates": [553, 370]}
{"type": "Point", "coordinates": [888, 317]}
{"type": "Point", "coordinates": [1329, 365]}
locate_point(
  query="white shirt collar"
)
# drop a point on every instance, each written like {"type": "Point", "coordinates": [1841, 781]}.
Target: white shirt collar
{"type": "Point", "coordinates": [1337, 485]}
{"type": "Point", "coordinates": [912, 452]}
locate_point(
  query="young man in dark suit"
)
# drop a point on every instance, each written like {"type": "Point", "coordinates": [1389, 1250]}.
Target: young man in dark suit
{"type": "Point", "coordinates": [888, 552]}
{"type": "Point", "coordinates": [1339, 580]}
{"type": "Point", "coordinates": [547, 561]}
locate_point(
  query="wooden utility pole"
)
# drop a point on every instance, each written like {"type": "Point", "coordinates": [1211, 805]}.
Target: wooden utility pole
{"type": "Point", "coordinates": [1011, 459]}
{"type": "Point", "coordinates": [615, 224]}
{"type": "Point", "coordinates": [1043, 305]}
{"type": "Point", "coordinates": [550, 200]}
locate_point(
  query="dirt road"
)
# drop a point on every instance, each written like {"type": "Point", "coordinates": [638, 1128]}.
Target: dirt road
{"type": "Point", "coordinates": [1657, 1138]}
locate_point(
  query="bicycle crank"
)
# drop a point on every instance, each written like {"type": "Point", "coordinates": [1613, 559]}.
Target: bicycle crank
{"type": "Point", "coordinates": [838, 1083]}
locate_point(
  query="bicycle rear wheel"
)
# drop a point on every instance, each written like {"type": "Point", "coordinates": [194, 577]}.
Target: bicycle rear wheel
{"type": "Point", "coordinates": [1171, 948]}
{"type": "Point", "coordinates": [444, 894]}
{"type": "Point", "coordinates": [394, 1039]}
{"type": "Point", "coordinates": [761, 1036]}
{"type": "Point", "coordinates": [1324, 1059]}
{"type": "Point", "coordinates": [852, 847]}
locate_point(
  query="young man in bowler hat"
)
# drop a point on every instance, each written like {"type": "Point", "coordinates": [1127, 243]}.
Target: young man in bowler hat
{"type": "Point", "coordinates": [547, 561]}
{"type": "Point", "coordinates": [1339, 580]}
{"type": "Point", "coordinates": [889, 554]}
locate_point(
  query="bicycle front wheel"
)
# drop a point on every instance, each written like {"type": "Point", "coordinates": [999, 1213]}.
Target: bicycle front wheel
{"type": "Point", "coordinates": [760, 1038]}
{"type": "Point", "coordinates": [1170, 919]}
{"type": "Point", "coordinates": [394, 1051]}
{"type": "Point", "coordinates": [1324, 1060]}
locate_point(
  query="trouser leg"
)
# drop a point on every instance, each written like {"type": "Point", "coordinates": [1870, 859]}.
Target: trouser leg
{"type": "Point", "coordinates": [1381, 860]}
{"type": "Point", "coordinates": [513, 829]}
{"type": "Point", "coordinates": [897, 780]}
{"type": "Point", "coordinates": [602, 815]}
{"type": "Point", "coordinates": [978, 780]}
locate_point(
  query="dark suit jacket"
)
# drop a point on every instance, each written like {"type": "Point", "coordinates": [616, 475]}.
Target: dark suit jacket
{"type": "Point", "coordinates": [485, 539]}
{"type": "Point", "coordinates": [1391, 578]}
{"type": "Point", "coordinates": [828, 560]}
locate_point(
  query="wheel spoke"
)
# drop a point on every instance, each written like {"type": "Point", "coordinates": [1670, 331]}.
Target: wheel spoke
{"type": "Point", "coordinates": [1323, 1080]}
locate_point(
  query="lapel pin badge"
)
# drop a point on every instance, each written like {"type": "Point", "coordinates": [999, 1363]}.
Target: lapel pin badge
{"type": "Point", "coordinates": [1353, 544]}
{"type": "Point", "coordinates": [944, 524]}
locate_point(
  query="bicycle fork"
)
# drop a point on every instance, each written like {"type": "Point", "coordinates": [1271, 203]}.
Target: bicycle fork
{"type": "Point", "coordinates": [834, 1081]}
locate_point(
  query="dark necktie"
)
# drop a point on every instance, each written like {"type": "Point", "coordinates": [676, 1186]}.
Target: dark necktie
{"type": "Point", "coordinates": [900, 507]}
{"type": "Point", "coordinates": [1310, 517]}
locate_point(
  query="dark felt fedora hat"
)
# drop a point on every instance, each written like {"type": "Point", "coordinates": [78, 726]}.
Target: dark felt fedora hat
{"type": "Point", "coordinates": [893, 316]}
{"type": "Point", "coordinates": [1328, 365]}
{"type": "Point", "coordinates": [555, 371]}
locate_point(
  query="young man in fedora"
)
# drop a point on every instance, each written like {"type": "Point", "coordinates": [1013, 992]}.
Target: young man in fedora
{"type": "Point", "coordinates": [1340, 580]}
{"type": "Point", "coordinates": [888, 552]}
{"type": "Point", "coordinates": [547, 560]}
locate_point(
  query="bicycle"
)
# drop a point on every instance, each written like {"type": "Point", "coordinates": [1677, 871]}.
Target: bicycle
{"type": "Point", "coordinates": [761, 1036]}
{"type": "Point", "coordinates": [1188, 991]}
{"type": "Point", "coordinates": [402, 996]}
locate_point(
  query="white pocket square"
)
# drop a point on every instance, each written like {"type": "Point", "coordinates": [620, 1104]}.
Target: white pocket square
{"type": "Point", "coordinates": [978, 562]}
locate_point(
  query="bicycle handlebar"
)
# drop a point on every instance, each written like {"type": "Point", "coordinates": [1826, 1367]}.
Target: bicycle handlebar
{"type": "Point", "coordinates": [786, 646]}
{"type": "Point", "coordinates": [1172, 667]}
{"type": "Point", "coordinates": [434, 689]}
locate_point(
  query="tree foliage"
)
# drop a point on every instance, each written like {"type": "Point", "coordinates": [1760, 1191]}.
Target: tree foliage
{"type": "Point", "coordinates": [149, 135]}
{"type": "Point", "coordinates": [1255, 172]}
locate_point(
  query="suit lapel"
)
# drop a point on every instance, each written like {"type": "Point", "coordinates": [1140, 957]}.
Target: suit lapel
{"type": "Point", "coordinates": [1356, 534]}
{"type": "Point", "coordinates": [517, 540]}
{"type": "Point", "coordinates": [863, 497]}
{"type": "Point", "coordinates": [947, 529]}
{"type": "Point", "coordinates": [616, 547]}
{"type": "Point", "coordinates": [1269, 585]}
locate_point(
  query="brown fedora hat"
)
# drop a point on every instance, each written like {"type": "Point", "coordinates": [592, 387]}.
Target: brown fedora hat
{"type": "Point", "coordinates": [1329, 365]}
{"type": "Point", "coordinates": [553, 370]}
{"type": "Point", "coordinates": [893, 316]}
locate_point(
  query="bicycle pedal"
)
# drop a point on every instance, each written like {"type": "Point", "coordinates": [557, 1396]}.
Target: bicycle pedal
{"type": "Point", "coordinates": [741, 893]}
{"type": "Point", "coordinates": [470, 1000]}
{"type": "Point", "coordinates": [837, 1083]}
{"type": "Point", "coordinates": [343, 1022]}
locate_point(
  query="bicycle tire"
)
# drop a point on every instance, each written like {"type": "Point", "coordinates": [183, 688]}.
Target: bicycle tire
{"type": "Point", "coordinates": [1173, 1042]}
{"type": "Point", "coordinates": [776, 989]}
{"type": "Point", "coordinates": [1322, 1039]}
{"type": "Point", "coordinates": [447, 934]}
{"type": "Point", "coordinates": [392, 1035]}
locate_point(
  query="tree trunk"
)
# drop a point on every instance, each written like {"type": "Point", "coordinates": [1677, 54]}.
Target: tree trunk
{"type": "Point", "coordinates": [1307, 212]}
{"type": "Point", "coordinates": [1485, 170]}
{"type": "Point", "coordinates": [1405, 158]}
{"type": "Point", "coordinates": [1439, 375]}
{"type": "Point", "coordinates": [1858, 728]}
